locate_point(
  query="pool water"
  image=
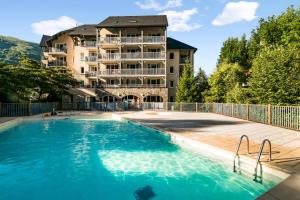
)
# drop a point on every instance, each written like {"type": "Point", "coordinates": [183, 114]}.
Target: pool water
{"type": "Point", "coordinates": [106, 159]}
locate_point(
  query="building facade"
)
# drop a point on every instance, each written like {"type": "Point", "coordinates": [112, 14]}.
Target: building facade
{"type": "Point", "coordinates": [124, 58]}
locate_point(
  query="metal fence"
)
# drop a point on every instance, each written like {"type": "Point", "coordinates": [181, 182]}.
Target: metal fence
{"type": "Point", "coordinates": [283, 116]}
{"type": "Point", "coordinates": [25, 109]}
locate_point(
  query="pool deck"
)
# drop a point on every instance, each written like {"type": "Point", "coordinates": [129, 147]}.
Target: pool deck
{"type": "Point", "coordinates": [224, 132]}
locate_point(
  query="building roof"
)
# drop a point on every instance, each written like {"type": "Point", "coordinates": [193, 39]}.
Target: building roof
{"type": "Point", "coordinates": [175, 44]}
{"type": "Point", "coordinates": [84, 30]}
{"type": "Point", "coordinates": [134, 21]}
{"type": "Point", "coordinates": [44, 39]}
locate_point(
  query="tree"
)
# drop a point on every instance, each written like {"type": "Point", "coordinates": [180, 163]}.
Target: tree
{"type": "Point", "coordinates": [276, 75]}
{"type": "Point", "coordinates": [201, 81]}
{"type": "Point", "coordinates": [223, 80]}
{"type": "Point", "coordinates": [276, 30]}
{"type": "Point", "coordinates": [29, 81]}
{"type": "Point", "coordinates": [234, 51]}
{"type": "Point", "coordinates": [186, 89]}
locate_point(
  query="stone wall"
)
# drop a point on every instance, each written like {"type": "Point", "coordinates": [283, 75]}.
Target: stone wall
{"type": "Point", "coordinates": [139, 92]}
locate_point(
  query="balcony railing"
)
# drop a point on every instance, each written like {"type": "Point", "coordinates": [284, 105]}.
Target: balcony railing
{"type": "Point", "coordinates": [57, 64]}
{"type": "Point", "coordinates": [137, 71]}
{"type": "Point", "coordinates": [132, 40]}
{"type": "Point", "coordinates": [154, 71]}
{"type": "Point", "coordinates": [110, 56]}
{"type": "Point", "coordinates": [154, 55]}
{"type": "Point", "coordinates": [89, 44]}
{"type": "Point", "coordinates": [109, 40]}
{"type": "Point", "coordinates": [154, 39]}
{"type": "Point", "coordinates": [136, 55]}
{"type": "Point", "coordinates": [57, 50]}
{"type": "Point", "coordinates": [91, 74]}
{"type": "Point", "coordinates": [133, 85]}
{"type": "Point", "coordinates": [90, 58]}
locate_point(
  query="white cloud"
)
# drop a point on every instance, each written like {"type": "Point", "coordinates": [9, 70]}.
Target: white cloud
{"type": "Point", "coordinates": [179, 20]}
{"type": "Point", "coordinates": [50, 27]}
{"type": "Point", "coordinates": [155, 5]}
{"type": "Point", "coordinates": [236, 12]}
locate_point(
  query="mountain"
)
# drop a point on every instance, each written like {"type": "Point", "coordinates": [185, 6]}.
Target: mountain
{"type": "Point", "coordinates": [12, 49]}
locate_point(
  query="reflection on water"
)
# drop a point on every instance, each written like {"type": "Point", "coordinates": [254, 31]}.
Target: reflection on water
{"type": "Point", "coordinates": [83, 159]}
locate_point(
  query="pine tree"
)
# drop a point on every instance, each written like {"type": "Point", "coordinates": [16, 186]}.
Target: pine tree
{"type": "Point", "coordinates": [201, 82]}
{"type": "Point", "coordinates": [186, 89]}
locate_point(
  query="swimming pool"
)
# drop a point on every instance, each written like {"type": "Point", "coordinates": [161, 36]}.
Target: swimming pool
{"type": "Point", "coordinates": [106, 159]}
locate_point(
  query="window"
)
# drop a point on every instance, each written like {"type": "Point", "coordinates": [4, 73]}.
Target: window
{"type": "Point", "coordinates": [81, 56]}
{"type": "Point", "coordinates": [171, 55]}
{"type": "Point", "coordinates": [171, 70]}
{"type": "Point", "coordinates": [82, 70]}
{"type": "Point", "coordinates": [171, 99]}
{"type": "Point", "coordinates": [171, 84]}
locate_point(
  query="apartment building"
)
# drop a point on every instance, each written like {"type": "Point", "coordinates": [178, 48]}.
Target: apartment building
{"type": "Point", "coordinates": [123, 58]}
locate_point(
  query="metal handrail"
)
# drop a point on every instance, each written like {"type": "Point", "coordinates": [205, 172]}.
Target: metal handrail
{"type": "Point", "coordinates": [237, 151]}
{"type": "Point", "coordinates": [258, 159]}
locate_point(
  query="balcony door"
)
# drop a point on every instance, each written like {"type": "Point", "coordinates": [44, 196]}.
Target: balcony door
{"type": "Point", "coordinates": [61, 46]}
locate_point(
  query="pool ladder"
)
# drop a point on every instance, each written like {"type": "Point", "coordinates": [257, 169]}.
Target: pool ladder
{"type": "Point", "coordinates": [237, 153]}
{"type": "Point", "coordinates": [257, 178]}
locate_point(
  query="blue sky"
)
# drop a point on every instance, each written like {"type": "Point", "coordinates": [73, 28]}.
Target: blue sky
{"type": "Point", "coordinates": [204, 24]}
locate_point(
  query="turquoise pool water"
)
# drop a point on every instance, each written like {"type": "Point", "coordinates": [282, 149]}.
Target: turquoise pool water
{"type": "Point", "coordinates": [86, 159]}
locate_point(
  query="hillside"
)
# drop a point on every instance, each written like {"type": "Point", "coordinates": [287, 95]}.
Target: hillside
{"type": "Point", "coordinates": [11, 49]}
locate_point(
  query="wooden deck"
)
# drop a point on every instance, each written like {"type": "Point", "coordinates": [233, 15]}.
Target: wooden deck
{"type": "Point", "coordinates": [224, 132]}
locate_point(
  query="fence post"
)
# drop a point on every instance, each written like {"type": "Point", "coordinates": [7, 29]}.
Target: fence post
{"type": "Point", "coordinates": [196, 107]}
{"type": "Point", "coordinates": [232, 110]}
{"type": "Point", "coordinates": [180, 106]}
{"type": "Point", "coordinates": [248, 112]}
{"type": "Point", "coordinates": [167, 106]}
{"type": "Point", "coordinates": [29, 109]}
{"type": "Point", "coordinates": [222, 109]}
{"type": "Point", "coordinates": [269, 114]}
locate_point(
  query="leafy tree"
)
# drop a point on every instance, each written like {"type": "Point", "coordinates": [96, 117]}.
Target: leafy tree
{"type": "Point", "coordinates": [276, 30]}
{"type": "Point", "coordinates": [223, 80]}
{"type": "Point", "coordinates": [186, 89]}
{"type": "Point", "coordinates": [29, 81]}
{"type": "Point", "coordinates": [276, 75]}
{"type": "Point", "coordinates": [238, 94]}
{"type": "Point", "coordinates": [201, 81]}
{"type": "Point", "coordinates": [234, 51]}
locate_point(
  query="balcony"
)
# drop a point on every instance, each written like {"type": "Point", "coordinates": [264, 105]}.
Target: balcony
{"type": "Point", "coordinates": [131, 56]}
{"type": "Point", "coordinates": [109, 56]}
{"type": "Point", "coordinates": [57, 64]}
{"type": "Point", "coordinates": [57, 51]}
{"type": "Point", "coordinates": [89, 45]}
{"type": "Point", "coordinates": [154, 71]}
{"type": "Point", "coordinates": [154, 39]}
{"type": "Point", "coordinates": [132, 40]}
{"type": "Point", "coordinates": [133, 85]}
{"type": "Point", "coordinates": [155, 55]}
{"type": "Point", "coordinates": [91, 74]}
{"type": "Point", "coordinates": [110, 41]}
{"type": "Point", "coordinates": [128, 72]}
{"type": "Point", "coordinates": [91, 59]}
{"type": "Point", "coordinates": [183, 60]}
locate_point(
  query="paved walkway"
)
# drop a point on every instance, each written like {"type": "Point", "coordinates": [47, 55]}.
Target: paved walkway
{"type": "Point", "coordinates": [224, 132]}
